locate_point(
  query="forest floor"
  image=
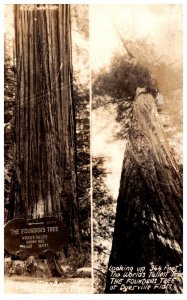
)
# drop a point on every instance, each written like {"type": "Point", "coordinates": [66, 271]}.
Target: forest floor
{"type": "Point", "coordinates": [27, 285]}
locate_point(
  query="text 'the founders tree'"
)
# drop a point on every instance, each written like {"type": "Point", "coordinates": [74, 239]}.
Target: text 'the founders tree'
{"type": "Point", "coordinates": [148, 226]}
{"type": "Point", "coordinates": [45, 173]}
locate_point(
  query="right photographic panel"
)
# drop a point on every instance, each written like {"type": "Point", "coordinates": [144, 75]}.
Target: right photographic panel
{"type": "Point", "coordinates": [137, 69]}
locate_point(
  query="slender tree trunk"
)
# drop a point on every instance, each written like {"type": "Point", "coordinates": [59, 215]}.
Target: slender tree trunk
{"type": "Point", "coordinates": [148, 226]}
{"type": "Point", "coordinates": [45, 120]}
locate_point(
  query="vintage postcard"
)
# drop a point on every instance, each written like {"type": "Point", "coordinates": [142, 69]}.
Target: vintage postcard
{"type": "Point", "coordinates": [93, 162]}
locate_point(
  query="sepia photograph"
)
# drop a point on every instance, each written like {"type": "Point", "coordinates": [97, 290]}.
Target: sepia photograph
{"type": "Point", "coordinates": [93, 148]}
{"type": "Point", "coordinates": [47, 236]}
{"type": "Point", "coordinates": [136, 61]}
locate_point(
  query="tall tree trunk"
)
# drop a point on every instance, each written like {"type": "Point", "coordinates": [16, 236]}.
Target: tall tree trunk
{"type": "Point", "coordinates": [45, 119]}
{"type": "Point", "coordinates": [148, 226]}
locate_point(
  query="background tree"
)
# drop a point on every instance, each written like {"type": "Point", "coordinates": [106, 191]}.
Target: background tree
{"type": "Point", "coordinates": [81, 94]}
{"type": "Point", "coordinates": [81, 83]}
{"type": "Point", "coordinates": [103, 222]}
{"type": "Point", "coordinates": [9, 133]}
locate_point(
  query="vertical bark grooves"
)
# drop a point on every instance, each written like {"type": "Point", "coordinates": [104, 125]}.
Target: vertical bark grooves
{"type": "Point", "coordinates": [148, 225]}
{"type": "Point", "coordinates": [45, 119]}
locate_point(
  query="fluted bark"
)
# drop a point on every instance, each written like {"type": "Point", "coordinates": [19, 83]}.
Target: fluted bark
{"type": "Point", "coordinates": [45, 148]}
{"type": "Point", "coordinates": [148, 226]}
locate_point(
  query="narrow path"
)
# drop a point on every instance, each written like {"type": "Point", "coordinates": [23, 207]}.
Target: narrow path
{"type": "Point", "coordinates": [28, 285]}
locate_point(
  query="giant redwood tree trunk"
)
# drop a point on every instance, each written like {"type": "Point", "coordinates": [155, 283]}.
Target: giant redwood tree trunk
{"type": "Point", "coordinates": [45, 122]}
{"type": "Point", "coordinates": [148, 226]}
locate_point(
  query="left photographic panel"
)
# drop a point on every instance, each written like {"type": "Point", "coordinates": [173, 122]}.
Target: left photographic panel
{"type": "Point", "coordinates": [47, 235]}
